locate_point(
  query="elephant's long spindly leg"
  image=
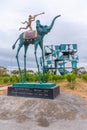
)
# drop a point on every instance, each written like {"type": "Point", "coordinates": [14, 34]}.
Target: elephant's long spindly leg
{"type": "Point", "coordinates": [25, 51]}
{"type": "Point", "coordinates": [39, 77]}
{"type": "Point", "coordinates": [18, 62]}
{"type": "Point", "coordinates": [43, 64]}
{"type": "Point", "coordinates": [41, 46]}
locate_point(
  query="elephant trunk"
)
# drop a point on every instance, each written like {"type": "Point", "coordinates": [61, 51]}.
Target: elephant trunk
{"type": "Point", "coordinates": [50, 27]}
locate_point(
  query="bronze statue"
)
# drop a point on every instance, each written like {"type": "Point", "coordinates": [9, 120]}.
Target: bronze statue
{"type": "Point", "coordinates": [30, 20]}
{"type": "Point", "coordinates": [42, 30]}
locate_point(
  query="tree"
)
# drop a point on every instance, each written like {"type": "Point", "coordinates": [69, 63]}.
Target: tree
{"type": "Point", "coordinates": [3, 71]}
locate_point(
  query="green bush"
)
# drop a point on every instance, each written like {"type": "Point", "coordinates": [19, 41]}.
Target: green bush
{"type": "Point", "coordinates": [6, 79]}
{"type": "Point", "coordinates": [14, 79]}
{"type": "Point", "coordinates": [71, 79]}
{"type": "Point", "coordinates": [84, 76]}
{"type": "Point", "coordinates": [48, 77]}
{"type": "Point", "coordinates": [31, 77]}
{"type": "Point", "coordinates": [1, 80]}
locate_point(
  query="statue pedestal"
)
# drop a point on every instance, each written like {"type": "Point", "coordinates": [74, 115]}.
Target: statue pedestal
{"type": "Point", "coordinates": [36, 90]}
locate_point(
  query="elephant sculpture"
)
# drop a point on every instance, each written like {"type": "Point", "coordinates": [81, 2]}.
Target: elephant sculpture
{"type": "Point", "coordinates": [41, 30]}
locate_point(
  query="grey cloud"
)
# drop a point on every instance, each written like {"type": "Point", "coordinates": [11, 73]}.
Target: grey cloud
{"type": "Point", "coordinates": [69, 33]}
{"type": "Point", "coordinates": [62, 32]}
{"type": "Point", "coordinates": [7, 58]}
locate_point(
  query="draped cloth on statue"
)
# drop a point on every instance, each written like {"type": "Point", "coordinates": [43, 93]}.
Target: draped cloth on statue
{"type": "Point", "coordinates": [30, 35]}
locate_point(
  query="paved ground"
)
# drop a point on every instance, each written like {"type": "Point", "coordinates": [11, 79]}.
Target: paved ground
{"type": "Point", "coordinates": [66, 112]}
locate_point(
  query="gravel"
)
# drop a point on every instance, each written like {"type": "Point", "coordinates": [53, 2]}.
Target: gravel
{"type": "Point", "coordinates": [66, 112]}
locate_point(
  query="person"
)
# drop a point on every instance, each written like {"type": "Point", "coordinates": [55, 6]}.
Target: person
{"type": "Point", "coordinates": [30, 20]}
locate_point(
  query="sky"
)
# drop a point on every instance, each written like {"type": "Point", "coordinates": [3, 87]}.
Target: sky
{"type": "Point", "coordinates": [70, 28]}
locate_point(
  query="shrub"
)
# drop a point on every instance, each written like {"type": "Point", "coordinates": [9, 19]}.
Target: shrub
{"type": "Point", "coordinates": [31, 77]}
{"type": "Point", "coordinates": [84, 76]}
{"type": "Point", "coordinates": [6, 79]}
{"type": "Point", "coordinates": [14, 79]}
{"type": "Point", "coordinates": [71, 79]}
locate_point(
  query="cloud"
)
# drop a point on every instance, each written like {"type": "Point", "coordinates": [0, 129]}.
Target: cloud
{"type": "Point", "coordinates": [8, 59]}
{"type": "Point", "coordinates": [70, 28]}
{"type": "Point", "coordinates": [62, 33]}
